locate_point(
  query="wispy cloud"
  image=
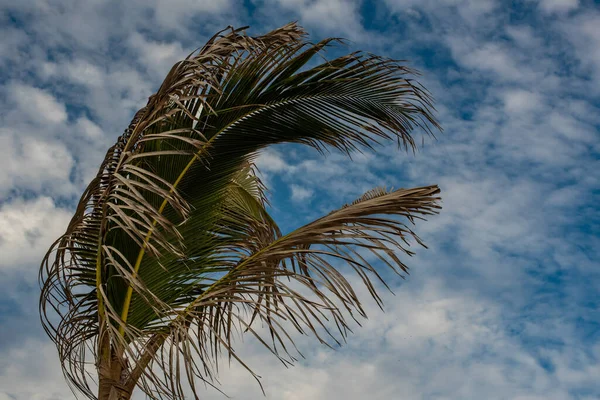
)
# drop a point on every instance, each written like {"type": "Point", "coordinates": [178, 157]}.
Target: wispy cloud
{"type": "Point", "coordinates": [558, 6]}
{"type": "Point", "coordinates": [300, 193]}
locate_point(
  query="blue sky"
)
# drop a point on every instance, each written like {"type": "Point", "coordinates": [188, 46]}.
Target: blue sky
{"type": "Point", "coordinates": [504, 304]}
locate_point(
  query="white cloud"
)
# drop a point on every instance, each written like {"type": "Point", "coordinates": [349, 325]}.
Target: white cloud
{"type": "Point", "coordinates": [271, 161]}
{"type": "Point", "coordinates": [174, 14]}
{"type": "Point", "coordinates": [521, 101]}
{"type": "Point", "coordinates": [111, 91]}
{"type": "Point", "coordinates": [27, 229]}
{"type": "Point", "coordinates": [489, 58]}
{"type": "Point", "coordinates": [30, 372]}
{"type": "Point", "coordinates": [82, 72]}
{"type": "Point", "coordinates": [583, 33]}
{"type": "Point", "coordinates": [524, 36]}
{"type": "Point", "coordinates": [558, 6]}
{"type": "Point", "coordinates": [340, 17]}
{"type": "Point", "coordinates": [158, 57]}
{"type": "Point", "coordinates": [300, 193]}
{"type": "Point", "coordinates": [470, 11]}
{"type": "Point", "coordinates": [11, 44]}
{"type": "Point", "coordinates": [88, 129]}
{"type": "Point", "coordinates": [63, 20]}
{"type": "Point", "coordinates": [38, 104]}
{"type": "Point", "coordinates": [34, 164]}
{"type": "Point", "coordinates": [336, 174]}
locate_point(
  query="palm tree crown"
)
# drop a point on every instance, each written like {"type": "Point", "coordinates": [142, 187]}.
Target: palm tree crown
{"type": "Point", "coordinates": [171, 250]}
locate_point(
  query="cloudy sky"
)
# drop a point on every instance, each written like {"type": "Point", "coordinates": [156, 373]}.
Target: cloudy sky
{"type": "Point", "coordinates": [504, 304]}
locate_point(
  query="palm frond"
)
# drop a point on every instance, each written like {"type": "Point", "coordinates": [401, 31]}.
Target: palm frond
{"type": "Point", "coordinates": [172, 248]}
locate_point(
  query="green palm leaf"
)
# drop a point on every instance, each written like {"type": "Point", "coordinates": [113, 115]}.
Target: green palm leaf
{"type": "Point", "coordinates": [172, 249]}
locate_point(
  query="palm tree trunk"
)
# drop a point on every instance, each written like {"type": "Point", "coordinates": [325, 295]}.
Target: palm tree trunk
{"type": "Point", "coordinates": [110, 389]}
{"type": "Point", "coordinates": [111, 385]}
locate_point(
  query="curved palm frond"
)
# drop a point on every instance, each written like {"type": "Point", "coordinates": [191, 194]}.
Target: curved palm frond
{"type": "Point", "coordinates": [172, 249]}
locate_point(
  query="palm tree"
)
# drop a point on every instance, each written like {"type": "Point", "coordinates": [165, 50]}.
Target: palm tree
{"type": "Point", "coordinates": [172, 253]}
